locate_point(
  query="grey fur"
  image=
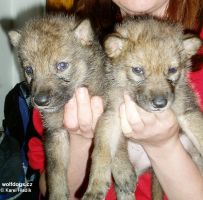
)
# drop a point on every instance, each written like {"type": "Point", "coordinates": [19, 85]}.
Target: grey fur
{"type": "Point", "coordinates": [64, 55]}
{"type": "Point", "coordinates": [150, 59]}
{"type": "Point", "coordinates": [149, 43]}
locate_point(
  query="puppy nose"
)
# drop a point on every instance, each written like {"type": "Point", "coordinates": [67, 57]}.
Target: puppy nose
{"type": "Point", "coordinates": [42, 99]}
{"type": "Point", "coordinates": [159, 102]}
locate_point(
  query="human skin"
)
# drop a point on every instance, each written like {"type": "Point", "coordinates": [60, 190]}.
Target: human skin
{"type": "Point", "coordinates": [136, 7]}
{"type": "Point", "coordinates": [174, 168]}
{"type": "Point", "coordinates": [81, 115]}
{"type": "Point", "coordinates": [162, 145]}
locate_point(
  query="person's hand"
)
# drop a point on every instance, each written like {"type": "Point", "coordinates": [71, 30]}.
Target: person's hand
{"type": "Point", "coordinates": [82, 112]}
{"type": "Point", "coordinates": [147, 129]}
{"type": "Point", "coordinates": [80, 118]}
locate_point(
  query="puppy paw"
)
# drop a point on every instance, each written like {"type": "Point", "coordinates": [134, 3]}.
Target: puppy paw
{"type": "Point", "coordinates": [94, 196]}
{"type": "Point", "coordinates": [125, 196]}
{"type": "Point", "coordinates": [126, 184]}
{"type": "Point", "coordinates": [58, 197]}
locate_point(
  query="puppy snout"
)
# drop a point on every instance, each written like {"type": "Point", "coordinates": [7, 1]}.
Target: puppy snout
{"type": "Point", "coordinates": [159, 102]}
{"type": "Point", "coordinates": [42, 99]}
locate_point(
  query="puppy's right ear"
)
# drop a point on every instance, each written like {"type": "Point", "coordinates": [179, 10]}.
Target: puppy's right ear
{"type": "Point", "coordinates": [84, 32]}
{"type": "Point", "coordinates": [14, 37]}
{"type": "Point", "coordinates": [191, 44]}
{"type": "Point", "coordinates": [114, 45]}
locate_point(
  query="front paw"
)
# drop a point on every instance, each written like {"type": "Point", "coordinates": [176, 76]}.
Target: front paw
{"type": "Point", "coordinates": [125, 196]}
{"type": "Point", "coordinates": [96, 191]}
{"type": "Point", "coordinates": [58, 197]}
{"type": "Point", "coordinates": [94, 196]}
{"type": "Point", "coordinates": [125, 180]}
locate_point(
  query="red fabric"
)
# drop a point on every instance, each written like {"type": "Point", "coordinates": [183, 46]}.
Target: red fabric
{"type": "Point", "coordinates": [36, 154]}
{"type": "Point", "coordinates": [37, 122]}
{"type": "Point", "coordinates": [35, 148]}
{"type": "Point", "coordinates": [143, 189]}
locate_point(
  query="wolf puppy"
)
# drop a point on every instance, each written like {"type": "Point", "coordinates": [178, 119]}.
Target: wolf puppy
{"type": "Point", "coordinates": [150, 60]}
{"type": "Point", "coordinates": [58, 55]}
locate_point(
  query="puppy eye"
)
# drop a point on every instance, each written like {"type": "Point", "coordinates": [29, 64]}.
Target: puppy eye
{"type": "Point", "coordinates": [172, 70]}
{"type": "Point", "coordinates": [61, 66]}
{"type": "Point", "coordinates": [138, 70]}
{"type": "Point", "coordinates": [29, 70]}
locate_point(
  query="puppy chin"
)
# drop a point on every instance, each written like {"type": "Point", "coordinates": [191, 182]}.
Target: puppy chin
{"type": "Point", "coordinates": [151, 108]}
{"type": "Point", "coordinates": [49, 109]}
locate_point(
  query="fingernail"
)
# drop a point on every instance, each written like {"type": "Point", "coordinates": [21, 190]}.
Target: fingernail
{"type": "Point", "coordinates": [126, 96]}
{"type": "Point", "coordinates": [82, 91]}
{"type": "Point", "coordinates": [97, 101]}
{"type": "Point", "coordinates": [97, 104]}
{"type": "Point", "coordinates": [122, 108]}
{"type": "Point", "coordinates": [71, 101]}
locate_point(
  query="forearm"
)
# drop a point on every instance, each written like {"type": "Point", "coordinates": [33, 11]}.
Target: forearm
{"type": "Point", "coordinates": [177, 173]}
{"type": "Point", "coordinates": [79, 155]}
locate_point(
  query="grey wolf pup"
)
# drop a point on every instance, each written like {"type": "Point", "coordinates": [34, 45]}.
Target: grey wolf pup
{"type": "Point", "coordinates": [150, 60]}
{"type": "Point", "coordinates": [58, 55]}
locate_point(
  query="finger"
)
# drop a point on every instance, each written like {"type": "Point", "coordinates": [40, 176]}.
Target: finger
{"type": "Point", "coordinates": [84, 110]}
{"type": "Point", "coordinates": [167, 117]}
{"type": "Point", "coordinates": [97, 109]}
{"type": "Point", "coordinates": [146, 117]}
{"type": "Point", "coordinates": [133, 115]}
{"type": "Point", "coordinates": [70, 115]}
{"type": "Point", "coordinates": [164, 114]}
{"type": "Point", "coordinates": [126, 128]}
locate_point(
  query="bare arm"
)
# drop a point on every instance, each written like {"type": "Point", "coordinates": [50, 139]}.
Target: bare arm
{"type": "Point", "coordinates": [158, 134]}
{"type": "Point", "coordinates": [176, 172]}
{"type": "Point", "coordinates": [79, 156]}
{"type": "Point", "coordinates": [81, 115]}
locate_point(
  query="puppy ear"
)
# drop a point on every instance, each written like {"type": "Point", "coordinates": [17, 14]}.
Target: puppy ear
{"type": "Point", "coordinates": [114, 44]}
{"type": "Point", "coordinates": [14, 37]}
{"type": "Point", "coordinates": [84, 32]}
{"type": "Point", "coordinates": [191, 44]}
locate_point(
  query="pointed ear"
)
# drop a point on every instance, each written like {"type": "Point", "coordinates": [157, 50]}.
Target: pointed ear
{"type": "Point", "coordinates": [114, 45]}
{"type": "Point", "coordinates": [84, 32]}
{"type": "Point", "coordinates": [191, 44]}
{"type": "Point", "coordinates": [14, 37]}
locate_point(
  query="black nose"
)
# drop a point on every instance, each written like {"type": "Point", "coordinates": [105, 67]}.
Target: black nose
{"type": "Point", "coordinates": [159, 102]}
{"type": "Point", "coordinates": [42, 99]}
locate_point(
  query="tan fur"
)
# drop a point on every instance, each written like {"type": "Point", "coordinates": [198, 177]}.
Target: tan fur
{"type": "Point", "coordinates": [150, 60]}
{"type": "Point", "coordinates": [148, 43]}
{"type": "Point", "coordinates": [43, 44]}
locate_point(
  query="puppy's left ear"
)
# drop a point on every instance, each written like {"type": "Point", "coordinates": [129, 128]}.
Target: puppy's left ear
{"type": "Point", "coordinates": [84, 32]}
{"type": "Point", "coordinates": [14, 37]}
{"type": "Point", "coordinates": [114, 45]}
{"type": "Point", "coordinates": [191, 44]}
